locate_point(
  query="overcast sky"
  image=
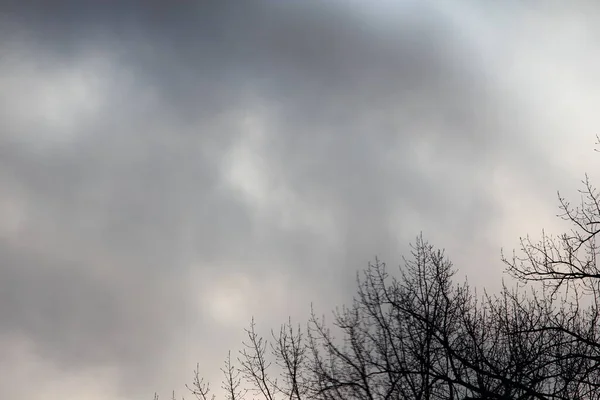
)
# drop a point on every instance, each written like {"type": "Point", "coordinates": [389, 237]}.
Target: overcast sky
{"type": "Point", "coordinates": [167, 172]}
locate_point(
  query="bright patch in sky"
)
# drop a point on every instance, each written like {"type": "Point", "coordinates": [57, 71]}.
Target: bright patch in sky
{"type": "Point", "coordinates": [56, 103]}
{"type": "Point", "coordinates": [233, 298]}
{"type": "Point", "coordinates": [248, 171]}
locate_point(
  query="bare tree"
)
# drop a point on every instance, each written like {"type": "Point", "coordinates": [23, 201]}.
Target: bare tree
{"type": "Point", "coordinates": [568, 260]}
{"type": "Point", "coordinates": [567, 270]}
{"type": "Point", "coordinates": [419, 336]}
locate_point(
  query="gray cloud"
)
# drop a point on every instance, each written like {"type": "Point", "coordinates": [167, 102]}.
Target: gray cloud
{"type": "Point", "coordinates": [165, 169]}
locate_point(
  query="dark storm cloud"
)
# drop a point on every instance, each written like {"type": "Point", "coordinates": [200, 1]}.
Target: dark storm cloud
{"type": "Point", "coordinates": [379, 132]}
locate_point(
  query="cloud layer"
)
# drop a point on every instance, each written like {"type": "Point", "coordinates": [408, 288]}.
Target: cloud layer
{"type": "Point", "coordinates": [168, 172]}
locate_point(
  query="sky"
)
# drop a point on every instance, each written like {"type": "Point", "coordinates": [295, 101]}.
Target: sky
{"type": "Point", "coordinates": [169, 170]}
